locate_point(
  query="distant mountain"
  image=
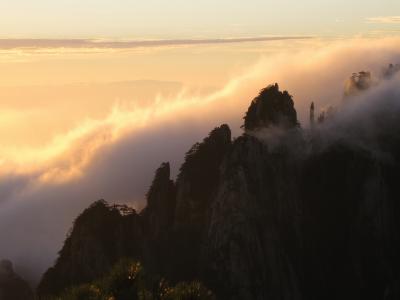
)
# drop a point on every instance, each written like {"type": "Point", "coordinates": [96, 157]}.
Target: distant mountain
{"type": "Point", "coordinates": [280, 212]}
{"type": "Point", "coordinates": [12, 287]}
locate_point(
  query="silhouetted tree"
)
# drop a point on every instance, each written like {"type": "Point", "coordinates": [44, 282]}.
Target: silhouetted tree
{"type": "Point", "coordinates": [321, 117]}
{"type": "Point", "coordinates": [312, 114]}
{"type": "Point", "coordinates": [128, 280]}
{"type": "Point", "coordinates": [390, 71]}
{"type": "Point", "coordinates": [358, 82]}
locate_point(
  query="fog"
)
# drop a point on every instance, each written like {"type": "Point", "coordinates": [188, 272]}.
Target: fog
{"type": "Point", "coordinates": [115, 158]}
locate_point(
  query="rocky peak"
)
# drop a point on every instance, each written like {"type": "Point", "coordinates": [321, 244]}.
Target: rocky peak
{"type": "Point", "coordinates": [6, 268]}
{"type": "Point", "coordinates": [271, 108]}
{"type": "Point", "coordinates": [199, 175]}
{"type": "Point", "coordinates": [303, 221]}
{"type": "Point", "coordinates": [97, 240]}
{"type": "Point", "coordinates": [160, 208]}
{"type": "Point", "coordinates": [221, 134]}
{"type": "Point", "coordinates": [160, 185]}
{"type": "Point", "coordinates": [357, 83]}
{"type": "Point", "coordinates": [391, 70]}
{"type": "Point", "coordinates": [12, 287]}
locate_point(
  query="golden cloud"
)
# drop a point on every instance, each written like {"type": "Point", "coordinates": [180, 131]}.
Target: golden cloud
{"type": "Point", "coordinates": [384, 20]}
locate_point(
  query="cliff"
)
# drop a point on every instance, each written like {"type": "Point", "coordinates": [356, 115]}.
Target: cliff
{"type": "Point", "coordinates": [281, 212]}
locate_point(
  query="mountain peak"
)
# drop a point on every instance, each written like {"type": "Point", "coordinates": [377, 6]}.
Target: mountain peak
{"type": "Point", "coordinates": [11, 285]}
{"type": "Point", "coordinates": [271, 108]}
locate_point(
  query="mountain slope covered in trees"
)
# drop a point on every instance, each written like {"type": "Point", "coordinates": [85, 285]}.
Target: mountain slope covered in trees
{"type": "Point", "coordinates": [280, 212]}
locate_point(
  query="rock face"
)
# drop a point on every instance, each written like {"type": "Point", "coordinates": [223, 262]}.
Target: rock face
{"type": "Point", "coordinates": [101, 235]}
{"type": "Point", "coordinates": [298, 216]}
{"type": "Point", "coordinates": [271, 108]}
{"type": "Point", "coordinates": [197, 185]}
{"type": "Point", "coordinates": [199, 177]}
{"type": "Point", "coordinates": [12, 287]}
{"type": "Point", "coordinates": [255, 224]}
{"type": "Point", "coordinates": [321, 228]}
{"type": "Point", "coordinates": [166, 236]}
{"type": "Point", "coordinates": [159, 212]}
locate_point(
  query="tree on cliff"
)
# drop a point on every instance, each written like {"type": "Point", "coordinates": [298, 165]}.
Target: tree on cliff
{"type": "Point", "coordinates": [358, 82]}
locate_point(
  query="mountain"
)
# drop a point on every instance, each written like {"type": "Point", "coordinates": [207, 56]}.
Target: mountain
{"type": "Point", "coordinates": [271, 108]}
{"type": "Point", "coordinates": [12, 287]}
{"type": "Point", "coordinates": [280, 212]}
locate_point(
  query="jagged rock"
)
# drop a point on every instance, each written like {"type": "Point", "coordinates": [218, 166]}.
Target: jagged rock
{"type": "Point", "coordinates": [101, 235]}
{"type": "Point", "coordinates": [199, 176]}
{"type": "Point", "coordinates": [157, 220]}
{"type": "Point", "coordinates": [320, 227]}
{"type": "Point", "coordinates": [271, 108]}
{"type": "Point", "coordinates": [165, 236]}
{"type": "Point", "coordinates": [357, 83]}
{"type": "Point", "coordinates": [254, 225]}
{"type": "Point", "coordinates": [196, 185]}
{"type": "Point", "coordinates": [159, 212]}
{"type": "Point", "coordinates": [260, 218]}
{"type": "Point", "coordinates": [12, 287]}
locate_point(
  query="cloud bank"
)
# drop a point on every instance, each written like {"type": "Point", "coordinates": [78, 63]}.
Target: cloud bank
{"type": "Point", "coordinates": [43, 189]}
{"type": "Point", "coordinates": [7, 44]}
{"type": "Point", "coordinates": [384, 20]}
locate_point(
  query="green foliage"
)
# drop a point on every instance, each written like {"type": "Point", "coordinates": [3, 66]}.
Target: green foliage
{"type": "Point", "coordinates": [124, 281]}
{"type": "Point", "coordinates": [83, 292]}
{"type": "Point", "coordinates": [128, 281]}
{"type": "Point", "coordinates": [189, 291]}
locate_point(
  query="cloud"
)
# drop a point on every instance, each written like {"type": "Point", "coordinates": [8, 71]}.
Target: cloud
{"type": "Point", "coordinates": [384, 20]}
{"type": "Point", "coordinates": [43, 189]}
{"type": "Point", "coordinates": [7, 44]}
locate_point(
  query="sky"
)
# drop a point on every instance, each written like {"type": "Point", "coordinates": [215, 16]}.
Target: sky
{"type": "Point", "coordinates": [134, 19]}
{"type": "Point", "coordinates": [94, 95]}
